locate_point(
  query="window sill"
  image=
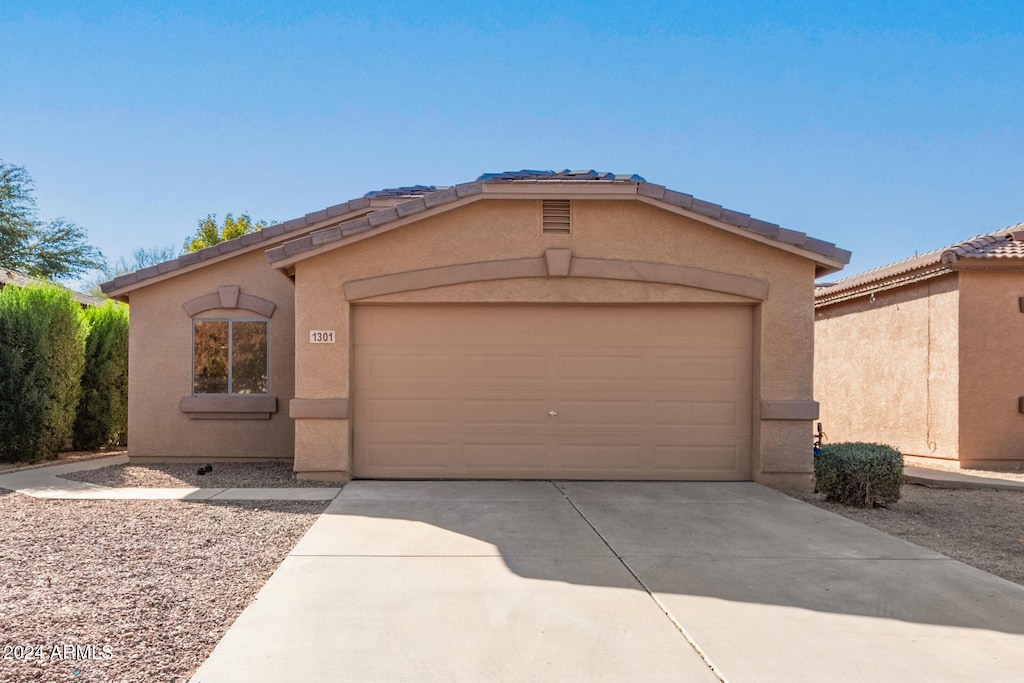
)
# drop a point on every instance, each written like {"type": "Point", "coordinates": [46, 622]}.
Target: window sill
{"type": "Point", "coordinates": [229, 407]}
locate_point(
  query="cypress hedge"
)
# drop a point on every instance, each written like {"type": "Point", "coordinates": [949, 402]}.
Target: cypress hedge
{"type": "Point", "coordinates": [102, 418]}
{"type": "Point", "coordinates": [42, 345]}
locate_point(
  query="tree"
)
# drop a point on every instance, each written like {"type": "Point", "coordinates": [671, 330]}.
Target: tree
{"type": "Point", "coordinates": [141, 258]}
{"type": "Point", "coordinates": [52, 250]}
{"type": "Point", "coordinates": [208, 233]}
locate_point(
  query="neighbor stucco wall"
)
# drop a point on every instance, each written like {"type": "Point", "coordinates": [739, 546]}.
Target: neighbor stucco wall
{"type": "Point", "coordinates": [992, 377]}
{"type": "Point", "coordinates": [496, 229]}
{"type": "Point", "coordinates": [886, 368]}
{"type": "Point", "coordinates": [160, 373]}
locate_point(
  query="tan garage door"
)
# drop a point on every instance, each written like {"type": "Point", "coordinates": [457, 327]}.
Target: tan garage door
{"type": "Point", "coordinates": [552, 391]}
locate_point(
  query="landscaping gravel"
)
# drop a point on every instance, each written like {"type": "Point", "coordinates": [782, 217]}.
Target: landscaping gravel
{"type": "Point", "coordinates": [131, 590]}
{"type": "Point", "coordinates": [266, 474]}
{"type": "Point", "coordinates": [984, 529]}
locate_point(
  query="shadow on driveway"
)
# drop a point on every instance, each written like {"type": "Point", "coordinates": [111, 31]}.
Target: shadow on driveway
{"type": "Point", "coordinates": [488, 580]}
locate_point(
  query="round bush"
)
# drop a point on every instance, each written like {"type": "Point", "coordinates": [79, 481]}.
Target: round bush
{"type": "Point", "coordinates": [859, 474]}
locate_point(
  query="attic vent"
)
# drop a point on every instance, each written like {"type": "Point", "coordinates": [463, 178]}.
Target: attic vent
{"type": "Point", "coordinates": [557, 219]}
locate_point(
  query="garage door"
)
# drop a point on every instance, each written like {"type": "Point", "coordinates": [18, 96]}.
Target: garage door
{"type": "Point", "coordinates": [552, 391]}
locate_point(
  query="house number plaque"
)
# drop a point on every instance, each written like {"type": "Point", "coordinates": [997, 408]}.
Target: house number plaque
{"type": "Point", "coordinates": [321, 336]}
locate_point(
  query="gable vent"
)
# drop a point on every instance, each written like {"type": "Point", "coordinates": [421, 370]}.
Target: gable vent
{"type": "Point", "coordinates": [557, 220]}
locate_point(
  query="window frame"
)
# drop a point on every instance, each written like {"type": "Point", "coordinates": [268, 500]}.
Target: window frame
{"type": "Point", "coordinates": [231, 337]}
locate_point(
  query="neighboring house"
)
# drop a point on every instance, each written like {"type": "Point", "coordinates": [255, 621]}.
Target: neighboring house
{"type": "Point", "coordinates": [922, 354]}
{"type": "Point", "coordinates": [10, 277]}
{"type": "Point", "coordinates": [524, 325]}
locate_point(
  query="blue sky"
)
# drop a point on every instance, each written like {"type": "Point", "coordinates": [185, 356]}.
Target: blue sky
{"type": "Point", "coordinates": [884, 127]}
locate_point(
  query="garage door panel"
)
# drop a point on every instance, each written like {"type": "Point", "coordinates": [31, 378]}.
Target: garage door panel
{"type": "Point", "coordinates": [488, 365]}
{"type": "Point", "coordinates": [699, 413]}
{"type": "Point", "coordinates": [717, 326]}
{"type": "Point", "coordinates": [698, 457]}
{"type": "Point", "coordinates": [608, 457]}
{"type": "Point", "coordinates": [711, 367]}
{"type": "Point", "coordinates": [489, 457]}
{"type": "Point", "coordinates": [408, 413]}
{"type": "Point", "coordinates": [577, 325]}
{"type": "Point", "coordinates": [403, 456]}
{"type": "Point", "coordinates": [597, 414]}
{"type": "Point", "coordinates": [503, 413]}
{"type": "Point", "coordinates": [405, 364]}
{"type": "Point", "coordinates": [638, 392]}
{"type": "Point", "coordinates": [595, 368]}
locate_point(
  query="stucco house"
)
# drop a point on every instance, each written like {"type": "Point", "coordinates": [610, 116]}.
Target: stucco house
{"type": "Point", "coordinates": [532, 324]}
{"type": "Point", "coordinates": [921, 354]}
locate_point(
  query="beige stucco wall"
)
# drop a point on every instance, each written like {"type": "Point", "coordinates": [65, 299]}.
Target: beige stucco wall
{"type": "Point", "coordinates": [992, 377]}
{"type": "Point", "coordinates": [497, 229]}
{"type": "Point", "coordinates": [160, 356]}
{"type": "Point", "coordinates": [886, 368]}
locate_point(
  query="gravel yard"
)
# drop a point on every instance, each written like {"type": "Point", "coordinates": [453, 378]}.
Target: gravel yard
{"type": "Point", "coordinates": [151, 586]}
{"type": "Point", "coordinates": [984, 529]}
{"type": "Point", "coordinates": [224, 475]}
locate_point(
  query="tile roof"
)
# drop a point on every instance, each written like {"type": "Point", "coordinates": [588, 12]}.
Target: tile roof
{"type": "Point", "coordinates": [411, 191]}
{"type": "Point", "coordinates": [359, 215]}
{"type": "Point", "coordinates": [564, 174]}
{"type": "Point", "coordinates": [10, 277]}
{"type": "Point", "coordinates": [1003, 245]}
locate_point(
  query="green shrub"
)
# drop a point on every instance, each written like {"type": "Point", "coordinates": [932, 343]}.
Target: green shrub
{"type": "Point", "coordinates": [859, 474]}
{"type": "Point", "coordinates": [102, 417]}
{"type": "Point", "coordinates": [42, 342]}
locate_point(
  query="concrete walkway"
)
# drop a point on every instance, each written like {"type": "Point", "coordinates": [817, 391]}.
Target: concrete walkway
{"type": "Point", "coordinates": [614, 581]}
{"type": "Point", "coordinates": [958, 480]}
{"type": "Point", "coordinates": [46, 482]}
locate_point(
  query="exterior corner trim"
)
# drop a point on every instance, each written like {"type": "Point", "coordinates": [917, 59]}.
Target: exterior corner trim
{"type": "Point", "coordinates": [318, 408]}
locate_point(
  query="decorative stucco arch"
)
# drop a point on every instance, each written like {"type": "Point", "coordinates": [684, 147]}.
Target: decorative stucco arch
{"type": "Point", "coordinates": [229, 296]}
{"type": "Point", "coordinates": [557, 263]}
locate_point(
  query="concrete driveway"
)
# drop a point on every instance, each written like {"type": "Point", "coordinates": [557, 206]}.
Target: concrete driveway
{"type": "Point", "coordinates": [609, 581]}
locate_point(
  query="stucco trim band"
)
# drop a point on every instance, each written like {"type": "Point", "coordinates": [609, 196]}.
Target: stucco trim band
{"type": "Point", "coordinates": [229, 296]}
{"type": "Point", "coordinates": [789, 410]}
{"type": "Point", "coordinates": [318, 408]}
{"type": "Point", "coordinates": [229, 407]}
{"type": "Point", "coordinates": [607, 269]}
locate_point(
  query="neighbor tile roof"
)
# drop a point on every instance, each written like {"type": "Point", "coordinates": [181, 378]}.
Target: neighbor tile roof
{"type": "Point", "coordinates": [357, 216]}
{"type": "Point", "coordinates": [1003, 245]}
{"type": "Point", "coordinates": [10, 277]}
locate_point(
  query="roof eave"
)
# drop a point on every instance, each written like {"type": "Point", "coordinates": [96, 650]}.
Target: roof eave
{"type": "Point", "coordinates": [1000, 263]}
{"type": "Point", "coordinates": [120, 287]}
{"type": "Point", "coordinates": [828, 258]}
{"type": "Point", "coordinates": [832, 295]}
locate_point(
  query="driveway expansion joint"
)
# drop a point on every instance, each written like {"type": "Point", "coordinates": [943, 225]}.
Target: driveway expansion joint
{"type": "Point", "coordinates": [664, 609]}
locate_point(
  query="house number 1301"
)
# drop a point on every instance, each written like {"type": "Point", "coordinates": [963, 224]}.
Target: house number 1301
{"type": "Point", "coordinates": [321, 336]}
